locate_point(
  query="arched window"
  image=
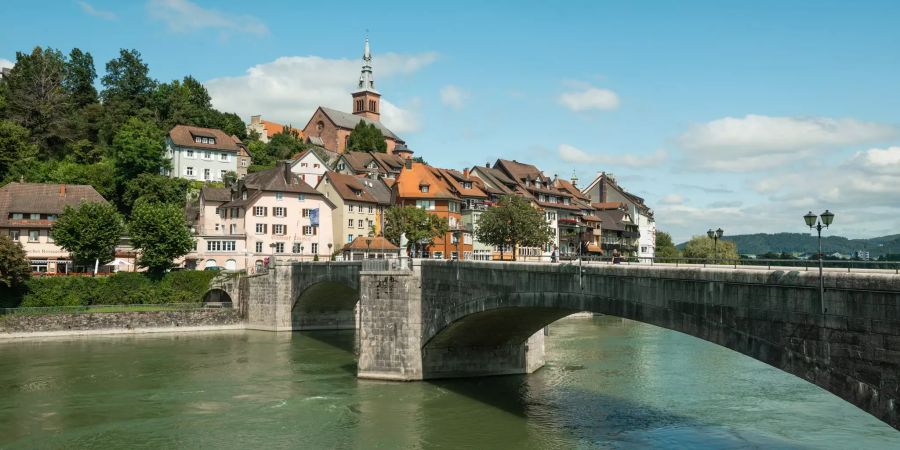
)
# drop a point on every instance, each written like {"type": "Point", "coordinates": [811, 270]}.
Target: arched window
{"type": "Point", "coordinates": [320, 126]}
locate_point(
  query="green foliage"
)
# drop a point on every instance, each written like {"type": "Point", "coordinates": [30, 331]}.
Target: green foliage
{"type": "Point", "coordinates": [761, 243]}
{"type": "Point", "coordinates": [89, 232]}
{"type": "Point", "coordinates": [61, 291]}
{"type": "Point", "coordinates": [513, 222]}
{"type": "Point", "coordinates": [79, 79]}
{"type": "Point", "coordinates": [419, 226]}
{"type": "Point", "coordinates": [665, 248]}
{"type": "Point", "coordinates": [154, 188]}
{"type": "Point", "coordinates": [127, 80]}
{"type": "Point", "coordinates": [15, 146]}
{"type": "Point", "coordinates": [138, 148]}
{"type": "Point", "coordinates": [37, 100]}
{"type": "Point", "coordinates": [161, 234]}
{"type": "Point", "coordinates": [14, 267]}
{"type": "Point", "coordinates": [284, 146]}
{"type": "Point", "coordinates": [123, 288]}
{"type": "Point", "coordinates": [706, 248]}
{"type": "Point", "coordinates": [366, 137]}
{"type": "Point", "coordinates": [99, 175]}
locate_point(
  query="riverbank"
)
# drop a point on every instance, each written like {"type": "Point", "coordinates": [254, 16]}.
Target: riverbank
{"type": "Point", "coordinates": [17, 326]}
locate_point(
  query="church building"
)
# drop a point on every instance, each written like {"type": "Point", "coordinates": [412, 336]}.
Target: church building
{"type": "Point", "coordinates": [331, 128]}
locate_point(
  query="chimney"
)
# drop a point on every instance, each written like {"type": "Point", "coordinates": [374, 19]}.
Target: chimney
{"type": "Point", "coordinates": [466, 172]}
{"type": "Point", "coordinates": [487, 164]}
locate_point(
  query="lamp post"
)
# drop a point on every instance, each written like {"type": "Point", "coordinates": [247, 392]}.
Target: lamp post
{"type": "Point", "coordinates": [826, 218]}
{"type": "Point", "coordinates": [580, 229]}
{"type": "Point", "coordinates": [715, 235]}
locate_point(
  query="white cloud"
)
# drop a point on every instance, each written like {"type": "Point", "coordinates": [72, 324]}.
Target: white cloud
{"type": "Point", "coordinates": [573, 154]}
{"type": "Point", "coordinates": [756, 142]}
{"type": "Point", "coordinates": [90, 10]}
{"type": "Point", "coordinates": [289, 89]}
{"type": "Point", "coordinates": [878, 161]}
{"type": "Point", "coordinates": [590, 98]}
{"type": "Point", "coordinates": [183, 16]}
{"type": "Point", "coordinates": [454, 97]}
{"type": "Point", "coordinates": [6, 63]}
{"type": "Point", "coordinates": [672, 199]}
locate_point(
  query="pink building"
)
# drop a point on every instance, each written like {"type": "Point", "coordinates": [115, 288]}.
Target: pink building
{"type": "Point", "coordinates": [268, 213]}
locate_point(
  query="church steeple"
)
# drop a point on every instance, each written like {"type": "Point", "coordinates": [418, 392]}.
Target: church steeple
{"type": "Point", "coordinates": [366, 100]}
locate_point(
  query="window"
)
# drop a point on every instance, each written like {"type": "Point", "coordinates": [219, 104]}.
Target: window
{"type": "Point", "coordinates": [206, 174]}
{"type": "Point", "coordinates": [217, 227]}
{"type": "Point", "coordinates": [452, 222]}
{"type": "Point", "coordinates": [297, 248]}
{"type": "Point", "coordinates": [259, 247]}
{"type": "Point", "coordinates": [33, 235]}
{"type": "Point", "coordinates": [467, 185]}
{"type": "Point", "coordinates": [309, 231]}
{"type": "Point", "coordinates": [207, 155]}
{"type": "Point", "coordinates": [235, 213]}
{"type": "Point", "coordinates": [359, 208]}
{"type": "Point", "coordinates": [438, 255]}
{"type": "Point", "coordinates": [423, 188]}
{"type": "Point", "coordinates": [349, 238]}
{"type": "Point", "coordinates": [349, 207]}
{"type": "Point", "coordinates": [305, 212]}
{"type": "Point", "coordinates": [360, 223]}
{"type": "Point", "coordinates": [17, 216]}
{"type": "Point", "coordinates": [341, 166]}
{"type": "Point", "coordinates": [232, 229]}
{"type": "Point", "coordinates": [279, 229]}
{"type": "Point", "coordinates": [261, 228]}
{"type": "Point", "coordinates": [304, 164]}
{"type": "Point", "coordinates": [15, 234]}
{"type": "Point", "coordinates": [35, 216]}
{"type": "Point", "coordinates": [454, 255]}
{"type": "Point", "coordinates": [279, 211]}
{"type": "Point", "coordinates": [454, 238]}
{"type": "Point", "coordinates": [223, 156]}
{"type": "Point", "coordinates": [189, 172]}
{"type": "Point", "coordinates": [220, 246]}
{"type": "Point", "coordinates": [198, 139]}
{"type": "Point", "coordinates": [259, 211]}
{"type": "Point", "coordinates": [243, 162]}
{"type": "Point", "coordinates": [349, 223]}
{"type": "Point", "coordinates": [189, 154]}
{"type": "Point", "coordinates": [279, 247]}
{"type": "Point", "coordinates": [371, 209]}
{"type": "Point", "coordinates": [316, 166]}
{"type": "Point", "coordinates": [222, 174]}
{"type": "Point", "coordinates": [301, 197]}
{"type": "Point", "coordinates": [453, 206]}
{"type": "Point", "coordinates": [425, 204]}
{"type": "Point", "coordinates": [279, 196]}
{"type": "Point", "coordinates": [315, 248]}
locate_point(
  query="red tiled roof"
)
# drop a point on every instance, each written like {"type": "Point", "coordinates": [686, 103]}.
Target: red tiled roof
{"type": "Point", "coordinates": [378, 243]}
{"type": "Point", "coordinates": [43, 198]}
{"type": "Point", "coordinates": [183, 136]}
{"type": "Point", "coordinates": [349, 187]}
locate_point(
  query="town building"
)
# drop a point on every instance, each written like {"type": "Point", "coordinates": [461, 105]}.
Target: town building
{"type": "Point", "coordinates": [309, 167]}
{"type": "Point", "coordinates": [473, 202]}
{"type": "Point", "coordinates": [271, 213]}
{"type": "Point", "coordinates": [359, 205]}
{"type": "Point", "coordinates": [331, 128]}
{"type": "Point", "coordinates": [620, 232]}
{"type": "Point", "coordinates": [370, 247]}
{"type": "Point", "coordinates": [205, 154]}
{"type": "Point", "coordinates": [27, 214]}
{"type": "Point", "coordinates": [605, 189]}
{"type": "Point", "coordinates": [370, 164]}
{"type": "Point", "coordinates": [266, 129]}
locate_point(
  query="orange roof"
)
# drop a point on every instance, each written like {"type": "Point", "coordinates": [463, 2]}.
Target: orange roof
{"type": "Point", "coordinates": [273, 128]}
{"type": "Point", "coordinates": [378, 243]}
{"type": "Point", "coordinates": [456, 181]}
{"type": "Point", "coordinates": [411, 182]}
{"type": "Point", "coordinates": [570, 188]}
{"type": "Point", "coordinates": [608, 205]}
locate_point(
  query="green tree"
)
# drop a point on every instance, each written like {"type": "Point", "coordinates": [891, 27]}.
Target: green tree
{"type": "Point", "coordinates": [419, 226]}
{"type": "Point", "coordinates": [665, 248]}
{"type": "Point", "coordinates": [15, 269]}
{"type": "Point", "coordinates": [513, 222]}
{"type": "Point", "coordinates": [366, 137]}
{"type": "Point", "coordinates": [37, 99]}
{"type": "Point", "coordinates": [100, 175]}
{"type": "Point", "coordinates": [127, 92]}
{"type": "Point", "coordinates": [284, 146]}
{"type": "Point", "coordinates": [15, 146]}
{"type": "Point", "coordinates": [706, 248]}
{"type": "Point", "coordinates": [79, 78]}
{"type": "Point", "coordinates": [229, 179]}
{"type": "Point", "coordinates": [83, 151]}
{"type": "Point", "coordinates": [154, 188]}
{"type": "Point", "coordinates": [232, 124]}
{"type": "Point", "coordinates": [161, 234]}
{"type": "Point", "coordinates": [89, 232]}
{"type": "Point", "coordinates": [138, 148]}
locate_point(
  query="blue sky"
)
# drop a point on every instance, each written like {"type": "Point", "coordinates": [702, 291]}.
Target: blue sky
{"type": "Point", "coordinates": [742, 115]}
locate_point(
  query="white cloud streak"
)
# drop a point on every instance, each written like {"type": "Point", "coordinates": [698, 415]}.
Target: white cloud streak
{"type": "Point", "coordinates": [183, 16]}
{"type": "Point", "coordinates": [6, 63]}
{"type": "Point", "coordinates": [90, 10]}
{"type": "Point", "coordinates": [571, 154]}
{"type": "Point", "coordinates": [454, 97]}
{"type": "Point", "coordinates": [590, 98]}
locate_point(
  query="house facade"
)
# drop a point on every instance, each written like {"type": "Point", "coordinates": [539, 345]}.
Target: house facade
{"type": "Point", "coordinates": [204, 154]}
{"type": "Point", "coordinates": [309, 167]}
{"type": "Point", "coordinates": [27, 214]}
{"type": "Point", "coordinates": [359, 205]}
{"type": "Point", "coordinates": [605, 189]}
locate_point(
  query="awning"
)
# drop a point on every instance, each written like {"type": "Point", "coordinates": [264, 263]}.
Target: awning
{"type": "Point", "coordinates": [594, 248]}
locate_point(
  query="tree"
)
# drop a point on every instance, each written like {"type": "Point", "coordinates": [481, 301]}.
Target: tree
{"type": "Point", "coordinates": [703, 247]}
{"type": "Point", "coordinates": [15, 269]}
{"type": "Point", "coordinates": [15, 146]}
{"type": "Point", "coordinates": [154, 188]}
{"type": "Point", "coordinates": [127, 92]}
{"type": "Point", "coordinates": [89, 232]}
{"type": "Point", "coordinates": [138, 148]}
{"type": "Point", "coordinates": [665, 248]}
{"type": "Point", "coordinates": [79, 78]}
{"type": "Point", "coordinates": [366, 137]}
{"type": "Point", "coordinates": [284, 146]}
{"type": "Point", "coordinates": [419, 226]}
{"type": "Point", "coordinates": [100, 175]}
{"type": "Point", "coordinates": [161, 234]}
{"type": "Point", "coordinates": [37, 99]}
{"type": "Point", "coordinates": [513, 222]}
{"type": "Point", "coordinates": [229, 179]}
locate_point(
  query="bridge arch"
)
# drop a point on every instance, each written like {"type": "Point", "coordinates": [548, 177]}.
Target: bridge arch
{"type": "Point", "coordinates": [325, 305]}
{"type": "Point", "coordinates": [218, 295]}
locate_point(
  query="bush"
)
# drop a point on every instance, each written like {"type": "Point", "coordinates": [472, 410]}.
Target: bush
{"type": "Point", "coordinates": [188, 284]}
{"type": "Point", "coordinates": [61, 291]}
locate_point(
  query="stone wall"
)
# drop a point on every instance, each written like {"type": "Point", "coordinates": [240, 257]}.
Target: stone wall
{"type": "Point", "coordinates": [390, 333]}
{"type": "Point", "coordinates": [118, 321]}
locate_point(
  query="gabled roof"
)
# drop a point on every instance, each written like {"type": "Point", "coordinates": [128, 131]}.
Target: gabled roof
{"type": "Point", "coordinates": [183, 136]}
{"type": "Point", "coordinates": [519, 171]}
{"type": "Point", "coordinates": [273, 128]}
{"type": "Point", "coordinates": [349, 187]}
{"type": "Point", "coordinates": [457, 181]}
{"type": "Point", "coordinates": [391, 163]}
{"type": "Point", "coordinates": [215, 194]}
{"type": "Point", "coordinates": [278, 179]}
{"type": "Point", "coordinates": [349, 121]}
{"type": "Point", "coordinates": [375, 243]}
{"type": "Point", "coordinates": [570, 188]}
{"type": "Point", "coordinates": [42, 198]}
{"type": "Point", "coordinates": [613, 219]}
{"type": "Point", "coordinates": [608, 205]}
{"type": "Point", "coordinates": [495, 182]}
{"type": "Point", "coordinates": [410, 182]}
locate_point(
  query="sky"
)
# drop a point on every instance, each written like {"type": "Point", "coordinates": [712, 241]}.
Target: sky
{"type": "Point", "coordinates": [739, 115]}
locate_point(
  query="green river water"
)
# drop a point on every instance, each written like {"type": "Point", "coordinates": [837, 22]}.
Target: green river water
{"type": "Point", "coordinates": [609, 383]}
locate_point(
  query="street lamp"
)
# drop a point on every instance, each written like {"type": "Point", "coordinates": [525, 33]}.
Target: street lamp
{"type": "Point", "coordinates": [580, 229]}
{"type": "Point", "coordinates": [715, 235]}
{"type": "Point", "coordinates": [826, 218]}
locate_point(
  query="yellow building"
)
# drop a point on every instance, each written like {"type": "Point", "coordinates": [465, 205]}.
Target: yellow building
{"type": "Point", "coordinates": [359, 205]}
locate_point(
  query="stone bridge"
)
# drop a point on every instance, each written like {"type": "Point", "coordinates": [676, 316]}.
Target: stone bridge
{"type": "Point", "coordinates": [459, 319]}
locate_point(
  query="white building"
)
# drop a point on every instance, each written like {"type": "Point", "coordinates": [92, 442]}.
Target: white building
{"type": "Point", "coordinates": [205, 154]}
{"type": "Point", "coordinates": [604, 190]}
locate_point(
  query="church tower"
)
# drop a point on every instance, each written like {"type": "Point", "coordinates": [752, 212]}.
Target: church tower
{"type": "Point", "coordinates": [366, 100]}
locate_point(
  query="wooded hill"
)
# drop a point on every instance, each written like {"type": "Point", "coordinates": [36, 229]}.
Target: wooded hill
{"type": "Point", "coordinates": [761, 243]}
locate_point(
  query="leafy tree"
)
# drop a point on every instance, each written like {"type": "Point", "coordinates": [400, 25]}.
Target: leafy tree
{"type": "Point", "coordinates": [232, 124]}
{"type": "Point", "coordinates": [89, 232]}
{"type": "Point", "coordinates": [229, 178]}
{"type": "Point", "coordinates": [703, 247]}
{"type": "Point", "coordinates": [154, 188]}
{"type": "Point", "coordinates": [15, 146]}
{"type": "Point", "coordinates": [161, 234]}
{"type": "Point", "coordinates": [419, 226]}
{"type": "Point", "coordinates": [284, 146]}
{"type": "Point", "coordinates": [83, 151]}
{"type": "Point", "coordinates": [665, 248]}
{"type": "Point", "coordinates": [259, 152]}
{"type": "Point", "coordinates": [366, 137]}
{"type": "Point", "coordinates": [419, 160]}
{"type": "Point", "coordinates": [127, 92]}
{"type": "Point", "coordinates": [138, 148]}
{"type": "Point", "coordinates": [79, 78]}
{"type": "Point", "coordinates": [15, 269]}
{"type": "Point", "coordinates": [513, 222]}
{"type": "Point", "coordinates": [37, 99]}
{"type": "Point", "coordinates": [100, 175]}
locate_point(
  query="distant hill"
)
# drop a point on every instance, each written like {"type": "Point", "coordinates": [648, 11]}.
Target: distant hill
{"type": "Point", "coordinates": [761, 243]}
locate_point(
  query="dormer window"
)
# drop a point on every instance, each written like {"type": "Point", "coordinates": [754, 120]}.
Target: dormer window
{"type": "Point", "coordinates": [204, 140]}
{"type": "Point", "coordinates": [423, 188]}
{"type": "Point", "coordinates": [467, 184]}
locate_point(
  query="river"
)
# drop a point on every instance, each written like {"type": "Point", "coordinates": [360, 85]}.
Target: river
{"type": "Point", "coordinates": [609, 383]}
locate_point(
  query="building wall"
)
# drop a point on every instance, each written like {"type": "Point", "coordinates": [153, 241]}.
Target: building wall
{"type": "Point", "coordinates": [42, 249]}
{"type": "Point", "coordinates": [444, 245]}
{"type": "Point", "coordinates": [344, 233]}
{"type": "Point", "coordinates": [199, 163]}
{"type": "Point", "coordinates": [333, 137]}
{"type": "Point", "coordinates": [310, 168]}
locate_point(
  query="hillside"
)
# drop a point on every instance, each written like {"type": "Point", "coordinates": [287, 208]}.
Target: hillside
{"type": "Point", "coordinates": [760, 243]}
